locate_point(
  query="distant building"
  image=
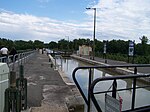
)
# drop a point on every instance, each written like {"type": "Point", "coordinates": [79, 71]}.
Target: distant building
{"type": "Point", "coordinates": [85, 50]}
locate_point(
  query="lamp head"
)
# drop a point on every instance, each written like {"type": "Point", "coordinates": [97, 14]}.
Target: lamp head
{"type": "Point", "coordinates": [88, 8]}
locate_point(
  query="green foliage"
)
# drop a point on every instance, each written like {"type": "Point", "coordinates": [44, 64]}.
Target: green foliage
{"type": "Point", "coordinates": [116, 49]}
{"type": "Point", "coordinates": [4, 42]}
{"type": "Point", "coordinates": [63, 44]}
{"type": "Point", "coordinates": [23, 45]}
{"type": "Point", "coordinates": [142, 59]}
{"type": "Point", "coordinates": [118, 46]}
{"type": "Point", "coordinates": [119, 57]}
{"type": "Point", "coordinates": [53, 45]}
{"type": "Point", "coordinates": [20, 44]}
{"type": "Point", "coordinates": [144, 40]}
{"type": "Point", "coordinates": [38, 44]}
{"type": "Point", "coordinates": [123, 57]}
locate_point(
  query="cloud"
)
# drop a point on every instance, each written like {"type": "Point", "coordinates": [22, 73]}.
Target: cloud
{"type": "Point", "coordinates": [43, 1]}
{"type": "Point", "coordinates": [116, 19]}
{"type": "Point", "coordinates": [125, 18]}
{"type": "Point", "coordinates": [28, 27]}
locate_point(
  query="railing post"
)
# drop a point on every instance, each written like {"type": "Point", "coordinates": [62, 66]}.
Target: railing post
{"type": "Point", "coordinates": [89, 96]}
{"type": "Point", "coordinates": [21, 84]}
{"type": "Point", "coordinates": [55, 62]}
{"type": "Point", "coordinates": [134, 89]}
{"type": "Point", "coordinates": [133, 94]}
{"type": "Point", "coordinates": [78, 86]}
{"type": "Point", "coordinates": [114, 89]}
{"type": "Point", "coordinates": [12, 95]}
{"type": "Point", "coordinates": [135, 70]}
{"type": "Point", "coordinates": [61, 63]}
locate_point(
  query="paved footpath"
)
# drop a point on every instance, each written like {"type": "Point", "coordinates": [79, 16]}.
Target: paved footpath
{"type": "Point", "coordinates": [47, 92]}
{"type": "Point", "coordinates": [114, 62]}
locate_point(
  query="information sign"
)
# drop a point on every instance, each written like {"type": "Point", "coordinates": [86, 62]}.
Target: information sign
{"type": "Point", "coordinates": [104, 48]}
{"type": "Point", "coordinates": [131, 48]}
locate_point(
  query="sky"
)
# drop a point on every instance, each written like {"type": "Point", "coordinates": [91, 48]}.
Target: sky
{"type": "Point", "coordinates": [53, 20]}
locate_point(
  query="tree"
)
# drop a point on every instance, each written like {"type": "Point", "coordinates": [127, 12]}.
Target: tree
{"type": "Point", "coordinates": [117, 46]}
{"type": "Point", "coordinates": [144, 40]}
{"type": "Point", "coordinates": [63, 44]}
{"type": "Point", "coordinates": [53, 45]}
{"type": "Point", "coordinates": [38, 44]}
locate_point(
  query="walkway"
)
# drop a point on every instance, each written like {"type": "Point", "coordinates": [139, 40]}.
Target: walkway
{"type": "Point", "coordinates": [114, 62]}
{"type": "Point", "coordinates": [47, 92]}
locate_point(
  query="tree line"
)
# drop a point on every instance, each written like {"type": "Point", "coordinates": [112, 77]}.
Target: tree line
{"type": "Point", "coordinates": [116, 49]}
{"type": "Point", "coordinates": [113, 46]}
{"type": "Point", "coordinates": [21, 44]}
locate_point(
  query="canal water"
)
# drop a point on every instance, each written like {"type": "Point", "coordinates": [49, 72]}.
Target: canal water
{"type": "Point", "coordinates": [142, 95]}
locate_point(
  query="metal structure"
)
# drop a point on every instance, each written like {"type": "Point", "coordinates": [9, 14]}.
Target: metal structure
{"type": "Point", "coordinates": [21, 84]}
{"type": "Point", "coordinates": [16, 93]}
{"type": "Point", "coordinates": [94, 30]}
{"type": "Point", "coordinates": [91, 85]}
{"type": "Point", "coordinates": [4, 82]}
{"type": "Point", "coordinates": [12, 95]}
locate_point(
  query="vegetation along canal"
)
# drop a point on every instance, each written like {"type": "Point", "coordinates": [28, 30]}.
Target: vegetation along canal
{"type": "Point", "coordinates": [142, 94]}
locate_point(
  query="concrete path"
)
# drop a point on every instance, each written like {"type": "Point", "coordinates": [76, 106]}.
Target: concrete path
{"type": "Point", "coordinates": [47, 92]}
{"type": "Point", "coordinates": [114, 62]}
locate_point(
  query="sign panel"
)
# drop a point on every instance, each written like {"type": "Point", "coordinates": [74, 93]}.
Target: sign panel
{"type": "Point", "coordinates": [131, 48]}
{"type": "Point", "coordinates": [112, 104]}
{"type": "Point", "coordinates": [104, 48]}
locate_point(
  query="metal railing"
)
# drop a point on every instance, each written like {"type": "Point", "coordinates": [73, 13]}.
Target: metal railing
{"type": "Point", "coordinates": [17, 59]}
{"type": "Point", "coordinates": [16, 93]}
{"type": "Point", "coordinates": [91, 84]}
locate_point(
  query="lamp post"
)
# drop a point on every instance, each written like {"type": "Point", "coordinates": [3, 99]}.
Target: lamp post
{"type": "Point", "coordinates": [94, 30]}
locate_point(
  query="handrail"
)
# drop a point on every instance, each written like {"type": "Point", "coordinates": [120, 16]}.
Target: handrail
{"type": "Point", "coordinates": [87, 101]}
{"type": "Point", "coordinates": [132, 76]}
{"type": "Point", "coordinates": [19, 58]}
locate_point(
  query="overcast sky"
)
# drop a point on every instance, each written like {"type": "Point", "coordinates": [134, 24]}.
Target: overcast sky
{"type": "Point", "coordinates": [52, 20]}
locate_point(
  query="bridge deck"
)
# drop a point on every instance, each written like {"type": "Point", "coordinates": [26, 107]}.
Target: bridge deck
{"type": "Point", "coordinates": [47, 92]}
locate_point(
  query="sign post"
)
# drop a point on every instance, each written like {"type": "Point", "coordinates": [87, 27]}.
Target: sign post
{"type": "Point", "coordinates": [131, 50]}
{"type": "Point", "coordinates": [104, 52]}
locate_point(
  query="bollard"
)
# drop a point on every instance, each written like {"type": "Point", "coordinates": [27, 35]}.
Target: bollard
{"type": "Point", "coordinates": [12, 96]}
{"type": "Point", "coordinates": [21, 84]}
{"type": "Point", "coordinates": [51, 63]}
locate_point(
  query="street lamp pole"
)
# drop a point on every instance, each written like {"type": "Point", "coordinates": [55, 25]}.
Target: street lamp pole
{"type": "Point", "coordinates": [94, 30]}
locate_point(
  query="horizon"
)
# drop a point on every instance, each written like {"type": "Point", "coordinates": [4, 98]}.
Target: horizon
{"type": "Point", "coordinates": [77, 39]}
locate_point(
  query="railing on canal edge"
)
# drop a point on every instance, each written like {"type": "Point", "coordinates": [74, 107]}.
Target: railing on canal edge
{"type": "Point", "coordinates": [91, 85]}
{"type": "Point", "coordinates": [16, 93]}
{"type": "Point", "coordinates": [17, 59]}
